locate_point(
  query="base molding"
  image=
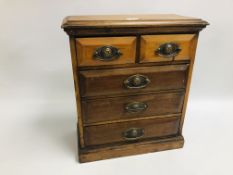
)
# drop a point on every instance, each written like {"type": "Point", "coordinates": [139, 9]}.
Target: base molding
{"type": "Point", "coordinates": [88, 155]}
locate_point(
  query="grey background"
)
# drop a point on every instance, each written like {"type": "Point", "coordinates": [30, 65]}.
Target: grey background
{"type": "Point", "coordinates": [37, 104]}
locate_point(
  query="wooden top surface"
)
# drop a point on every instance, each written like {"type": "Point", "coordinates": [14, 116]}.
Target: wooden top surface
{"type": "Point", "coordinates": [131, 21]}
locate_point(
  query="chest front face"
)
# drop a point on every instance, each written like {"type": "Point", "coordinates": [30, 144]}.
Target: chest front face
{"type": "Point", "coordinates": [132, 78]}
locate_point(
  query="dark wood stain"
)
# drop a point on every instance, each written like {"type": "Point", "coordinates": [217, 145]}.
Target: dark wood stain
{"type": "Point", "coordinates": [109, 109]}
{"type": "Point", "coordinates": [102, 82]}
{"type": "Point", "coordinates": [110, 133]}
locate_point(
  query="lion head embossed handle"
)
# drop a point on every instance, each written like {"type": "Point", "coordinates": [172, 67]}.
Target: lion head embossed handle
{"type": "Point", "coordinates": [168, 50]}
{"type": "Point", "coordinates": [107, 53]}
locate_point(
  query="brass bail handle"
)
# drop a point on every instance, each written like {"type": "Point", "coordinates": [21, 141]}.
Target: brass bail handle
{"type": "Point", "coordinates": [136, 81]}
{"type": "Point", "coordinates": [135, 107]}
{"type": "Point", "coordinates": [107, 53]}
{"type": "Point", "coordinates": [168, 50]}
{"type": "Point", "coordinates": [133, 134]}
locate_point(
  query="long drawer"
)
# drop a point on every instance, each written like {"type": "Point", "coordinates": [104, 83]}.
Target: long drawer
{"type": "Point", "coordinates": [132, 80]}
{"type": "Point", "coordinates": [136, 106]}
{"type": "Point", "coordinates": [131, 131]}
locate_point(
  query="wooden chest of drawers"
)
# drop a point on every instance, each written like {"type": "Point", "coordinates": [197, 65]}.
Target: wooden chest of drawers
{"type": "Point", "coordinates": [132, 77]}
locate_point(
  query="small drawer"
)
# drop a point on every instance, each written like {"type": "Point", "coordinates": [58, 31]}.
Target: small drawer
{"type": "Point", "coordinates": [105, 51]}
{"type": "Point", "coordinates": [120, 108]}
{"type": "Point", "coordinates": [132, 80]}
{"type": "Point", "coordinates": [131, 131]}
{"type": "Point", "coordinates": [157, 48]}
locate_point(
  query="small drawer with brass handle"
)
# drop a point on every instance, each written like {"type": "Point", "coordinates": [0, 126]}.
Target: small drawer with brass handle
{"type": "Point", "coordinates": [133, 134]}
{"type": "Point", "coordinates": [136, 81]}
{"type": "Point", "coordinates": [105, 51]}
{"type": "Point", "coordinates": [175, 47]}
{"type": "Point", "coordinates": [131, 130]}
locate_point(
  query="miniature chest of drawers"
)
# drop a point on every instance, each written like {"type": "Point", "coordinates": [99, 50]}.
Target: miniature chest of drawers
{"type": "Point", "coordinates": [132, 77]}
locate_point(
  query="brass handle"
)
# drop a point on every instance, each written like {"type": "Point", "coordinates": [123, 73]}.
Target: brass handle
{"type": "Point", "coordinates": [135, 107]}
{"type": "Point", "coordinates": [107, 53]}
{"type": "Point", "coordinates": [136, 81]}
{"type": "Point", "coordinates": [133, 134]}
{"type": "Point", "coordinates": [168, 50]}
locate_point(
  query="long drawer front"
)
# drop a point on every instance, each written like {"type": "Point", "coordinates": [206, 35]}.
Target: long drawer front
{"type": "Point", "coordinates": [129, 107]}
{"type": "Point", "coordinates": [132, 80]}
{"type": "Point", "coordinates": [131, 131]}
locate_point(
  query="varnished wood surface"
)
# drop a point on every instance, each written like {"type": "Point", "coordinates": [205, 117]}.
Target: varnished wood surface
{"type": "Point", "coordinates": [77, 94]}
{"type": "Point", "coordinates": [101, 94]}
{"type": "Point", "coordinates": [131, 20]}
{"type": "Point", "coordinates": [110, 133]}
{"type": "Point", "coordinates": [147, 64]}
{"type": "Point", "coordinates": [103, 82]}
{"type": "Point", "coordinates": [131, 119]}
{"type": "Point", "coordinates": [115, 25]}
{"type": "Point", "coordinates": [110, 109]}
{"type": "Point", "coordinates": [150, 43]}
{"type": "Point", "coordinates": [86, 47]}
{"type": "Point", "coordinates": [193, 53]}
{"type": "Point", "coordinates": [119, 150]}
{"type": "Point", "coordinates": [131, 31]}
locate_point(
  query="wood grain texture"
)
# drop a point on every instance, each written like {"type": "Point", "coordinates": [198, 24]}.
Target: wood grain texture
{"type": "Point", "coordinates": [111, 133]}
{"type": "Point", "coordinates": [150, 43]}
{"type": "Point", "coordinates": [86, 47]}
{"type": "Point", "coordinates": [131, 21]}
{"type": "Point", "coordinates": [148, 146]}
{"type": "Point", "coordinates": [110, 109]}
{"type": "Point", "coordinates": [77, 94]}
{"type": "Point", "coordinates": [115, 25]}
{"type": "Point", "coordinates": [149, 64]}
{"type": "Point", "coordinates": [193, 53]}
{"type": "Point", "coordinates": [131, 31]}
{"type": "Point", "coordinates": [108, 82]}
